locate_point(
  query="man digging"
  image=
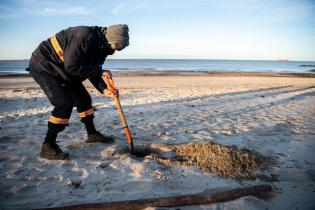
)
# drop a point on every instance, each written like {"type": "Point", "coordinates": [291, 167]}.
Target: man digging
{"type": "Point", "coordinates": [60, 64]}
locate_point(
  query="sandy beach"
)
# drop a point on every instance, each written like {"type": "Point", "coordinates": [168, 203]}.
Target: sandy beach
{"type": "Point", "coordinates": [272, 115]}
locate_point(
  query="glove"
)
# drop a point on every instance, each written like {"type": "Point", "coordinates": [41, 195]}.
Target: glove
{"type": "Point", "coordinates": [107, 73]}
{"type": "Point", "coordinates": [110, 93]}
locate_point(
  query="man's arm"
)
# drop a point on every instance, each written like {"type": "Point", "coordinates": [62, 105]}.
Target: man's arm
{"type": "Point", "coordinates": [98, 82]}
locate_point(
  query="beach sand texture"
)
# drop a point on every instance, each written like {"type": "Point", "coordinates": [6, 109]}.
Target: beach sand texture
{"type": "Point", "coordinates": [274, 116]}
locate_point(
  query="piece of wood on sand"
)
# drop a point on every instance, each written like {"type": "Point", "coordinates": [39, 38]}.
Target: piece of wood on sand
{"type": "Point", "coordinates": [195, 199]}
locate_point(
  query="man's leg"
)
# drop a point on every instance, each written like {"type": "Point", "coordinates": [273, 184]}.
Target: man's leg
{"type": "Point", "coordinates": [83, 102]}
{"type": "Point", "coordinates": [56, 92]}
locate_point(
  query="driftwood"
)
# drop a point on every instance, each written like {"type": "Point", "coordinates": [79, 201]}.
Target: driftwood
{"type": "Point", "coordinates": [196, 199]}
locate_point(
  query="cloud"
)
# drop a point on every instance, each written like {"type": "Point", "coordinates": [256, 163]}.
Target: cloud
{"type": "Point", "coordinates": [131, 5]}
{"type": "Point", "coordinates": [7, 12]}
{"type": "Point", "coordinates": [7, 15]}
{"type": "Point", "coordinates": [56, 11]}
{"type": "Point", "coordinates": [25, 8]}
{"type": "Point", "coordinates": [117, 10]}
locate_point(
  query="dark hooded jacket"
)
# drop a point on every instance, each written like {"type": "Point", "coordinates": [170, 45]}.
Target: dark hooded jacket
{"type": "Point", "coordinates": [85, 50]}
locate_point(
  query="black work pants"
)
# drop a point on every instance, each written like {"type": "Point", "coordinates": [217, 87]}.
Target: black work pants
{"type": "Point", "coordinates": [63, 95]}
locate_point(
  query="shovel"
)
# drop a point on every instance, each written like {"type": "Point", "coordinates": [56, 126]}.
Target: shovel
{"type": "Point", "coordinates": [111, 86]}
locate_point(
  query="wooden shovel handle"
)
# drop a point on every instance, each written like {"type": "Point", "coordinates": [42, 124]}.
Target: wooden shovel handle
{"type": "Point", "coordinates": [111, 86]}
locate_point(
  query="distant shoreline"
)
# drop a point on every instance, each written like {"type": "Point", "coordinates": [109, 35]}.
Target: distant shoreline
{"type": "Point", "coordinates": [190, 73]}
{"type": "Point", "coordinates": [214, 59]}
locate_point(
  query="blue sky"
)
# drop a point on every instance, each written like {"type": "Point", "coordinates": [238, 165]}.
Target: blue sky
{"type": "Point", "coordinates": [197, 29]}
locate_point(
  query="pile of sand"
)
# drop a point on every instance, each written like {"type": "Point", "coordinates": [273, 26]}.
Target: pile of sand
{"type": "Point", "coordinates": [227, 161]}
{"type": "Point", "coordinates": [220, 159]}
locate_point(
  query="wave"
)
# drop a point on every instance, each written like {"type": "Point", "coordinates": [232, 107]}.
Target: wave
{"type": "Point", "coordinates": [197, 70]}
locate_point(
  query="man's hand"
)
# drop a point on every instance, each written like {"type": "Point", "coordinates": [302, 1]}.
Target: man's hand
{"type": "Point", "coordinates": [107, 73]}
{"type": "Point", "coordinates": [111, 94]}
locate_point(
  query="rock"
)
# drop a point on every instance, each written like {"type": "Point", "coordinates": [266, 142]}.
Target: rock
{"type": "Point", "coordinates": [104, 165]}
{"type": "Point", "coordinates": [227, 132]}
{"type": "Point", "coordinates": [167, 133]}
{"type": "Point", "coordinates": [159, 133]}
{"type": "Point", "coordinates": [74, 182]}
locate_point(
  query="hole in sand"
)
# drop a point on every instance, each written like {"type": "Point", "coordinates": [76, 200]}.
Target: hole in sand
{"type": "Point", "coordinates": [142, 152]}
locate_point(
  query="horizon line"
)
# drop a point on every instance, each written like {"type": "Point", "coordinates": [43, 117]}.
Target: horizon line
{"type": "Point", "coordinates": [280, 60]}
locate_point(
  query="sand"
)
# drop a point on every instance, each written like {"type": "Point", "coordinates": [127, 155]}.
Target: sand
{"type": "Point", "coordinates": [226, 161]}
{"type": "Point", "coordinates": [273, 116]}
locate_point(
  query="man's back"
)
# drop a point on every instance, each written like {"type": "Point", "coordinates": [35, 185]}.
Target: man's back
{"type": "Point", "coordinates": [83, 47]}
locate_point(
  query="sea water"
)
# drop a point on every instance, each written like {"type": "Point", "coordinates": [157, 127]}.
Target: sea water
{"type": "Point", "coordinates": [181, 65]}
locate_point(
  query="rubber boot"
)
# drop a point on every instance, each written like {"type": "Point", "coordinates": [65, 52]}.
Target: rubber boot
{"type": "Point", "coordinates": [93, 135]}
{"type": "Point", "coordinates": [98, 137]}
{"type": "Point", "coordinates": [50, 149]}
{"type": "Point", "coordinates": [89, 124]}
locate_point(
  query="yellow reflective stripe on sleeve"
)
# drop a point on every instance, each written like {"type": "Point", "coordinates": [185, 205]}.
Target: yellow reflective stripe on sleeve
{"type": "Point", "coordinates": [86, 113]}
{"type": "Point", "coordinates": [57, 120]}
{"type": "Point", "coordinates": [57, 47]}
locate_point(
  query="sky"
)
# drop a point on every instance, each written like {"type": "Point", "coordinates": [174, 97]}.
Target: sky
{"type": "Point", "coordinates": [170, 29]}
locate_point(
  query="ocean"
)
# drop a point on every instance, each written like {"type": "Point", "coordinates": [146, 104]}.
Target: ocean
{"type": "Point", "coordinates": [182, 65]}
